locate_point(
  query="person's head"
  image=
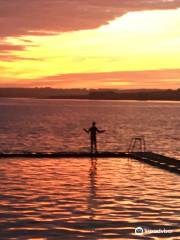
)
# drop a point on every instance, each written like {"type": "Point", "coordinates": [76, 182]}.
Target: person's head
{"type": "Point", "coordinates": [94, 123]}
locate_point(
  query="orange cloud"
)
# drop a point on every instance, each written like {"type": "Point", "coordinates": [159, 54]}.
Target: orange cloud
{"type": "Point", "coordinates": [45, 17]}
{"type": "Point", "coordinates": [137, 41]}
{"type": "Point", "coordinates": [167, 78]}
{"type": "Point", "coordinates": [8, 52]}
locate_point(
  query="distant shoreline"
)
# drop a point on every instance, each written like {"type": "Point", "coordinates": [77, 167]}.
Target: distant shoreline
{"type": "Point", "coordinates": [109, 99]}
{"type": "Point", "coordinates": [92, 94]}
{"type": "Point", "coordinates": [86, 99]}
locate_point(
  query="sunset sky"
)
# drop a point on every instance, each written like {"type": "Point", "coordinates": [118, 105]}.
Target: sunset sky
{"type": "Point", "coordinates": [90, 43]}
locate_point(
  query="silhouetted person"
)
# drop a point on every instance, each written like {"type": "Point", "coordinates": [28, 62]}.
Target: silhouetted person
{"type": "Point", "coordinates": [93, 130]}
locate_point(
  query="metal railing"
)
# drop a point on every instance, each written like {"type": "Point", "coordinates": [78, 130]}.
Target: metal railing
{"type": "Point", "coordinates": [137, 144]}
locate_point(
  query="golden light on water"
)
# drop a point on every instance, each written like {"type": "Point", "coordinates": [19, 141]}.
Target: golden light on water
{"type": "Point", "coordinates": [72, 197]}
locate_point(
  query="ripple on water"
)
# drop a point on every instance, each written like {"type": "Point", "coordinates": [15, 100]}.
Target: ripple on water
{"type": "Point", "coordinates": [45, 125]}
{"type": "Point", "coordinates": [86, 199]}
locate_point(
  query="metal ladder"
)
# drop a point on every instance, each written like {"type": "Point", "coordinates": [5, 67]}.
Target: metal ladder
{"type": "Point", "coordinates": [137, 141]}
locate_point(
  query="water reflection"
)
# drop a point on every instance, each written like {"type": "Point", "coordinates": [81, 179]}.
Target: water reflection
{"type": "Point", "coordinates": [85, 199]}
{"type": "Point", "coordinates": [92, 204]}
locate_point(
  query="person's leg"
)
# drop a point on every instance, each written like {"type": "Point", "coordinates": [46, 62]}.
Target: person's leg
{"type": "Point", "coordinates": [95, 145]}
{"type": "Point", "coordinates": [91, 145]}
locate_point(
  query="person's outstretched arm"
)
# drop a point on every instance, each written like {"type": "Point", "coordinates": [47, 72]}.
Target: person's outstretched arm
{"type": "Point", "coordinates": [100, 131]}
{"type": "Point", "coordinates": [86, 130]}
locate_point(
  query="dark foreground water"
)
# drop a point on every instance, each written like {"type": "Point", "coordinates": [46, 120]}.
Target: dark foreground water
{"type": "Point", "coordinates": [56, 125]}
{"type": "Point", "coordinates": [87, 199]}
